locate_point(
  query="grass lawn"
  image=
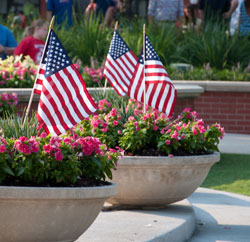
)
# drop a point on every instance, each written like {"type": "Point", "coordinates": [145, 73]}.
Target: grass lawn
{"type": "Point", "coordinates": [231, 174]}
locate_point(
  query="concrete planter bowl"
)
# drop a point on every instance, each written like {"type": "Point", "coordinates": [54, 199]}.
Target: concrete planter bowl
{"type": "Point", "coordinates": [39, 214]}
{"type": "Point", "coordinates": [158, 181]}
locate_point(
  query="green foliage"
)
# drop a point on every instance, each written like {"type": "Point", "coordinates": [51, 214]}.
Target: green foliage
{"type": "Point", "coordinates": [213, 46]}
{"type": "Point", "coordinates": [8, 103]}
{"type": "Point", "coordinates": [12, 126]}
{"type": "Point", "coordinates": [207, 73]}
{"type": "Point", "coordinates": [87, 38]}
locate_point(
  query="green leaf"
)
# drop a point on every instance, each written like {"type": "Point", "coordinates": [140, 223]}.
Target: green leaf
{"type": "Point", "coordinates": [20, 171]}
{"type": "Point", "coordinates": [8, 170]}
{"type": "Point", "coordinates": [96, 161]}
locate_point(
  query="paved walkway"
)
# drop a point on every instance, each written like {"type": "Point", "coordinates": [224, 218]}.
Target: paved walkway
{"type": "Point", "coordinates": [235, 144]}
{"type": "Point", "coordinates": [219, 216]}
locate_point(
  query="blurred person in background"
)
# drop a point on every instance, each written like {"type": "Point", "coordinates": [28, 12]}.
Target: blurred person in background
{"type": "Point", "coordinates": [244, 27]}
{"type": "Point", "coordinates": [107, 8]}
{"type": "Point", "coordinates": [235, 16]}
{"type": "Point", "coordinates": [213, 11]}
{"type": "Point", "coordinates": [166, 11]}
{"type": "Point", "coordinates": [62, 10]}
{"type": "Point", "coordinates": [191, 10]}
{"type": "Point", "coordinates": [20, 20]}
{"type": "Point", "coordinates": [7, 42]}
{"type": "Point", "coordinates": [33, 42]}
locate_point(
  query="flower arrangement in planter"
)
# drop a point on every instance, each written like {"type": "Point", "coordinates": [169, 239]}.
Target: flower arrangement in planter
{"type": "Point", "coordinates": [17, 73]}
{"type": "Point", "coordinates": [8, 102]}
{"type": "Point", "coordinates": [55, 161]}
{"type": "Point", "coordinates": [165, 159]}
{"type": "Point", "coordinates": [55, 184]}
{"type": "Point", "coordinates": [151, 133]}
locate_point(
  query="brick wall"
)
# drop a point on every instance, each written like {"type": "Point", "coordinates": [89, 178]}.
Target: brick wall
{"type": "Point", "coordinates": [227, 103]}
{"type": "Point", "coordinates": [230, 109]}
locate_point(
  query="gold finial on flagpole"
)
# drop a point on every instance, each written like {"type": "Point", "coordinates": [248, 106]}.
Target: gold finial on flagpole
{"type": "Point", "coordinates": [51, 26]}
{"type": "Point", "coordinates": [116, 25]}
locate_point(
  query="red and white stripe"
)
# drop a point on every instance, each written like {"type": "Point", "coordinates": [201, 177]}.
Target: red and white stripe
{"type": "Point", "coordinates": [119, 72]}
{"type": "Point", "coordinates": [39, 79]}
{"type": "Point", "coordinates": [64, 101]}
{"type": "Point", "coordinates": [160, 91]}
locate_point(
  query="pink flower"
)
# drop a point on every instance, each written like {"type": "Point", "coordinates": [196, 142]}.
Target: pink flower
{"type": "Point", "coordinates": [186, 110]}
{"type": "Point", "coordinates": [170, 155]}
{"type": "Point", "coordinates": [47, 148]}
{"type": "Point", "coordinates": [34, 148]}
{"type": "Point", "coordinates": [163, 131]}
{"type": "Point", "coordinates": [58, 155]}
{"type": "Point", "coordinates": [194, 114]}
{"type": "Point", "coordinates": [183, 136]}
{"type": "Point", "coordinates": [104, 130]}
{"type": "Point", "coordinates": [175, 135]}
{"type": "Point", "coordinates": [137, 128]}
{"type": "Point", "coordinates": [131, 118]}
{"type": "Point", "coordinates": [119, 131]}
{"type": "Point", "coordinates": [156, 127]}
{"type": "Point", "coordinates": [104, 125]}
{"type": "Point", "coordinates": [195, 132]}
{"type": "Point", "coordinates": [22, 139]}
{"type": "Point", "coordinates": [115, 122]}
{"type": "Point", "coordinates": [43, 135]}
{"type": "Point", "coordinates": [2, 148]}
{"type": "Point", "coordinates": [135, 124]}
{"type": "Point", "coordinates": [167, 142]}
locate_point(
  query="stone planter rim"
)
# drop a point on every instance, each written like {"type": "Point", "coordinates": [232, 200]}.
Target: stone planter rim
{"type": "Point", "coordinates": [22, 192]}
{"type": "Point", "coordinates": [165, 160]}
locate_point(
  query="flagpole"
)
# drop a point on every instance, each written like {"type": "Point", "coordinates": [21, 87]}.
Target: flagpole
{"type": "Point", "coordinates": [105, 85]}
{"type": "Point", "coordinates": [144, 58]}
{"type": "Point", "coordinates": [32, 93]}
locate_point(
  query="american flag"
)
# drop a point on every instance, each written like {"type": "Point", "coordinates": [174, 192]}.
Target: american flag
{"type": "Point", "coordinates": [160, 91]}
{"type": "Point", "coordinates": [120, 65]}
{"type": "Point", "coordinates": [64, 99]}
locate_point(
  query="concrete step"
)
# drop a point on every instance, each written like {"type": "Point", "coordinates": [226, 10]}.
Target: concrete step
{"type": "Point", "coordinates": [175, 223]}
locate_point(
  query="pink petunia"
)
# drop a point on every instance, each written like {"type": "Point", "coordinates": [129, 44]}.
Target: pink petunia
{"type": "Point", "coordinates": [167, 142]}
{"type": "Point", "coordinates": [58, 155]}
{"type": "Point", "coordinates": [131, 118]}
{"type": "Point", "coordinates": [3, 148]}
{"type": "Point", "coordinates": [195, 132]}
{"type": "Point", "coordinates": [115, 122]}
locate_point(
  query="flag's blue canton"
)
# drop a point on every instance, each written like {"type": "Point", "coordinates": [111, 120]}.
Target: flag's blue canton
{"type": "Point", "coordinates": [150, 52]}
{"type": "Point", "coordinates": [140, 60]}
{"type": "Point", "coordinates": [118, 47]}
{"type": "Point", "coordinates": [57, 58]}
